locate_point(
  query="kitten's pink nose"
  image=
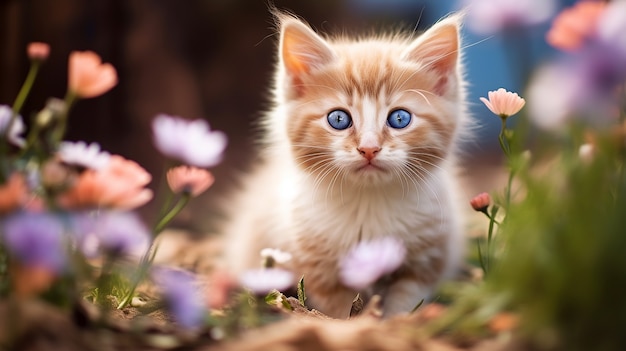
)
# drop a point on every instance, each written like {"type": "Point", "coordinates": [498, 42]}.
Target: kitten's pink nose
{"type": "Point", "coordinates": [369, 152]}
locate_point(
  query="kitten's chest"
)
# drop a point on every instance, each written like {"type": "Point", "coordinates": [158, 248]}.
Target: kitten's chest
{"type": "Point", "coordinates": [345, 217]}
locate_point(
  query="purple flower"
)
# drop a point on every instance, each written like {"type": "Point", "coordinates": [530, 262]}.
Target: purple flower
{"type": "Point", "coordinates": [491, 16]}
{"type": "Point", "coordinates": [182, 294]}
{"type": "Point", "coordinates": [582, 86]}
{"type": "Point", "coordinates": [17, 127]}
{"type": "Point", "coordinates": [370, 260]}
{"type": "Point", "coordinates": [36, 239]}
{"type": "Point", "coordinates": [192, 142]}
{"type": "Point", "coordinates": [113, 232]}
{"type": "Point", "coordinates": [262, 281]}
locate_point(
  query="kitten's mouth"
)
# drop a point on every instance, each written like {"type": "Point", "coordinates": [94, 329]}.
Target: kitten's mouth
{"type": "Point", "coordinates": [370, 167]}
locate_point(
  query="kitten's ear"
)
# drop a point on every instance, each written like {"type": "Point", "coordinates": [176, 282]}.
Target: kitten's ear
{"type": "Point", "coordinates": [438, 49]}
{"type": "Point", "coordinates": [301, 49]}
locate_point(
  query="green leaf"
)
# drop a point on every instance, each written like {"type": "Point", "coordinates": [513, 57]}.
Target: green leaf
{"type": "Point", "coordinates": [301, 293]}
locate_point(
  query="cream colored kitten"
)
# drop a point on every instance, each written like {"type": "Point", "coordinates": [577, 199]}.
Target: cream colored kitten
{"type": "Point", "coordinates": [360, 144]}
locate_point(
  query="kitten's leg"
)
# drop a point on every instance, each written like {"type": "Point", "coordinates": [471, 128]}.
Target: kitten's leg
{"type": "Point", "coordinates": [335, 303]}
{"type": "Point", "coordinates": [404, 295]}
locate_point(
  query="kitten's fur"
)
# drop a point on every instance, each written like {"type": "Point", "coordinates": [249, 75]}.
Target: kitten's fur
{"type": "Point", "coordinates": [312, 196]}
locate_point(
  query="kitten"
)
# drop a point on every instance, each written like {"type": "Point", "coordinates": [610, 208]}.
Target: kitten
{"type": "Point", "coordinates": [360, 144]}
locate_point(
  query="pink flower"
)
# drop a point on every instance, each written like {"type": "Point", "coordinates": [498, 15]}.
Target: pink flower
{"type": "Point", "coordinates": [192, 142]}
{"type": "Point", "coordinates": [370, 260]}
{"type": "Point", "coordinates": [503, 103]}
{"type": "Point", "coordinates": [574, 25]}
{"type": "Point", "coordinates": [119, 185]}
{"type": "Point", "coordinates": [189, 179]}
{"type": "Point", "coordinates": [480, 202]}
{"type": "Point", "coordinates": [87, 76]}
{"type": "Point", "coordinates": [13, 193]}
{"type": "Point", "coordinates": [38, 51]}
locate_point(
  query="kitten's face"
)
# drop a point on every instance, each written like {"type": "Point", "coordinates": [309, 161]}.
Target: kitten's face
{"type": "Point", "coordinates": [370, 111]}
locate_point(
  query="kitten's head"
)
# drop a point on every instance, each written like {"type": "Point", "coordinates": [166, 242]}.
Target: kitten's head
{"type": "Point", "coordinates": [370, 110]}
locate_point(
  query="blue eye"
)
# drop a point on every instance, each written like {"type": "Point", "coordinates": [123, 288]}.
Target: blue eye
{"type": "Point", "coordinates": [399, 119]}
{"type": "Point", "coordinates": [339, 119]}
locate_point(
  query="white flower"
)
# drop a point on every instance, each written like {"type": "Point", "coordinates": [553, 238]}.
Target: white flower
{"type": "Point", "coordinates": [262, 281]}
{"type": "Point", "coordinates": [491, 16]}
{"type": "Point", "coordinates": [192, 142]}
{"type": "Point", "coordinates": [275, 254]}
{"type": "Point", "coordinates": [17, 128]}
{"type": "Point", "coordinates": [370, 260]}
{"type": "Point", "coordinates": [81, 154]}
{"type": "Point", "coordinates": [612, 25]}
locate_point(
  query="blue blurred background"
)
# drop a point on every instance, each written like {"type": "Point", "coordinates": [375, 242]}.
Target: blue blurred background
{"type": "Point", "coordinates": [213, 59]}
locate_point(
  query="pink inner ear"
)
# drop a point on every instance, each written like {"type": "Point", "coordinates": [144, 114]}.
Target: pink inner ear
{"type": "Point", "coordinates": [302, 51]}
{"type": "Point", "coordinates": [442, 86]}
{"type": "Point", "coordinates": [437, 49]}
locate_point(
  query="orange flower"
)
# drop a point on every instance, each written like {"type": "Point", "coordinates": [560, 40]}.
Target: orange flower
{"type": "Point", "coordinates": [29, 281]}
{"type": "Point", "coordinates": [575, 24]}
{"type": "Point", "coordinates": [219, 288]}
{"type": "Point", "coordinates": [88, 76]}
{"type": "Point", "coordinates": [13, 193]}
{"type": "Point", "coordinates": [503, 103]}
{"type": "Point", "coordinates": [189, 179]}
{"type": "Point", "coordinates": [38, 51]}
{"type": "Point", "coordinates": [119, 185]}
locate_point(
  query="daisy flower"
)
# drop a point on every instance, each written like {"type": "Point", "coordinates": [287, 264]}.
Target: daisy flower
{"type": "Point", "coordinates": [113, 232]}
{"type": "Point", "coordinates": [492, 16]}
{"type": "Point", "coordinates": [503, 103]}
{"type": "Point", "coordinates": [271, 256]}
{"type": "Point", "coordinates": [182, 294]}
{"type": "Point", "coordinates": [83, 155]}
{"type": "Point", "coordinates": [36, 240]}
{"type": "Point", "coordinates": [189, 179]}
{"type": "Point", "coordinates": [17, 127]}
{"type": "Point", "coordinates": [191, 142]}
{"type": "Point", "coordinates": [262, 281]}
{"type": "Point", "coordinates": [370, 260]}
{"type": "Point", "coordinates": [121, 184]}
{"type": "Point", "coordinates": [574, 25]}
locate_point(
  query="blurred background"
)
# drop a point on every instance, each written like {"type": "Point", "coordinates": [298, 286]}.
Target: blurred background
{"type": "Point", "coordinates": [213, 59]}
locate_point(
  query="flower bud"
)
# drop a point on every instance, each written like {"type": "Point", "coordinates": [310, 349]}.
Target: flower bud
{"type": "Point", "coordinates": [38, 51]}
{"type": "Point", "coordinates": [481, 202]}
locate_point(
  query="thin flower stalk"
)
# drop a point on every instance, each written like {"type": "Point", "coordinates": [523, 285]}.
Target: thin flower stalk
{"type": "Point", "coordinates": [19, 101]}
{"type": "Point", "coordinates": [182, 202]}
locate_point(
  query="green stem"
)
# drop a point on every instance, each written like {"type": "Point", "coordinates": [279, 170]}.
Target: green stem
{"type": "Point", "coordinates": [144, 265]}
{"type": "Point", "coordinates": [490, 217]}
{"type": "Point", "coordinates": [18, 104]}
{"type": "Point", "coordinates": [24, 92]}
{"type": "Point", "coordinates": [508, 189]}
{"type": "Point", "coordinates": [492, 220]}
{"type": "Point", "coordinates": [481, 258]}
{"type": "Point", "coordinates": [501, 138]}
{"type": "Point", "coordinates": [182, 202]}
{"type": "Point", "coordinates": [59, 132]}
